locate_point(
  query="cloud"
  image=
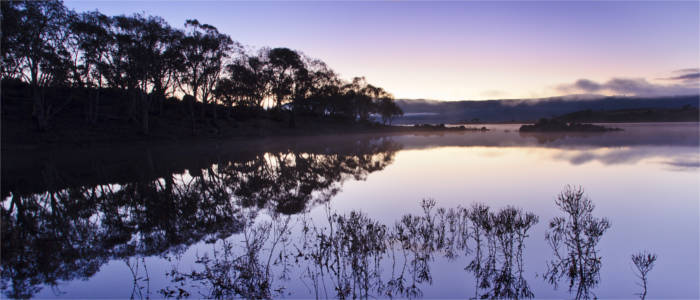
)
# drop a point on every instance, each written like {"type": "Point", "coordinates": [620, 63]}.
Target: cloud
{"type": "Point", "coordinates": [686, 84]}
{"type": "Point", "coordinates": [691, 75]}
{"type": "Point", "coordinates": [588, 85]}
{"type": "Point", "coordinates": [684, 164]}
{"type": "Point", "coordinates": [687, 70]}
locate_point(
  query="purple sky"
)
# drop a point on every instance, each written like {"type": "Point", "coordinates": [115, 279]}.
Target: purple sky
{"type": "Point", "coordinates": [468, 50]}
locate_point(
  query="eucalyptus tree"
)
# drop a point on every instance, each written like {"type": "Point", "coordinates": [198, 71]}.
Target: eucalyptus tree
{"type": "Point", "coordinates": [204, 50]}
{"type": "Point", "coordinates": [263, 79]}
{"type": "Point", "coordinates": [71, 75]}
{"type": "Point", "coordinates": [91, 30]}
{"type": "Point", "coordinates": [10, 39]}
{"type": "Point", "coordinates": [360, 101]}
{"type": "Point", "coordinates": [35, 51]}
{"type": "Point", "coordinates": [324, 85]}
{"type": "Point", "coordinates": [284, 65]}
{"type": "Point", "coordinates": [245, 83]}
{"type": "Point", "coordinates": [382, 103]}
{"type": "Point", "coordinates": [388, 109]}
{"type": "Point", "coordinates": [136, 39]}
{"type": "Point", "coordinates": [163, 71]}
{"type": "Point", "coordinates": [114, 66]}
{"type": "Point", "coordinates": [143, 60]}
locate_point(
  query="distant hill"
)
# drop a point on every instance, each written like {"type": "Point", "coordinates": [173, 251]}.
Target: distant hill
{"type": "Point", "coordinates": [683, 114]}
{"type": "Point", "coordinates": [431, 111]}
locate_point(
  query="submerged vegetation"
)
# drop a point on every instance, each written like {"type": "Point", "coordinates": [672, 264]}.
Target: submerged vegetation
{"type": "Point", "coordinates": [574, 239]}
{"type": "Point", "coordinates": [643, 262]}
{"type": "Point", "coordinates": [353, 256]}
{"type": "Point", "coordinates": [71, 70]}
{"type": "Point", "coordinates": [358, 257]}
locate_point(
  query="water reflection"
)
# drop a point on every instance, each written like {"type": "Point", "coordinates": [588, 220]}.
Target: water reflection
{"type": "Point", "coordinates": [574, 239]}
{"type": "Point", "coordinates": [251, 204]}
{"type": "Point", "coordinates": [228, 273]}
{"type": "Point", "coordinates": [66, 234]}
{"type": "Point", "coordinates": [345, 255]}
{"type": "Point", "coordinates": [499, 269]}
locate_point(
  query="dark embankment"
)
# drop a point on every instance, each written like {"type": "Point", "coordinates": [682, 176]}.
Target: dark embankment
{"type": "Point", "coordinates": [169, 119]}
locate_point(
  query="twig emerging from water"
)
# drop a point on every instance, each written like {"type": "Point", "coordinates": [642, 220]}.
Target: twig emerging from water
{"type": "Point", "coordinates": [644, 262]}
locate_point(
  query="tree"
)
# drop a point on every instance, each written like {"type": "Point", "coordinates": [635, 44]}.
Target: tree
{"type": "Point", "coordinates": [36, 51]}
{"type": "Point", "coordinates": [285, 65]}
{"type": "Point", "coordinates": [387, 108]}
{"type": "Point", "coordinates": [138, 38]}
{"type": "Point", "coordinates": [91, 30]}
{"type": "Point", "coordinates": [323, 86]}
{"type": "Point", "coordinates": [246, 83]}
{"type": "Point", "coordinates": [143, 60]}
{"type": "Point", "coordinates": [11, 40]}
{"type": "Point", "coordinates": [360, 99]}
{"type": "Point", "coordinates": [203, 51]}
{"type": "Point", "coordinates": [164, 70]}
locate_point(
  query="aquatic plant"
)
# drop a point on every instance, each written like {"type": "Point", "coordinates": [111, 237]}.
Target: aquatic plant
{"type": "Point", "coordinates": [643, 262]}
{"type": "Point", "coordinates": [574, 239]}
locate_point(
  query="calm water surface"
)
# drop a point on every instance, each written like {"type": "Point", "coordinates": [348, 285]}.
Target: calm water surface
{"type": "Point", "coordinates": [346, 216]}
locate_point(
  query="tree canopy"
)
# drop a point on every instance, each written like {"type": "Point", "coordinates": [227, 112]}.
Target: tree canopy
{"type": "Point", "coordinates": [45, 45]}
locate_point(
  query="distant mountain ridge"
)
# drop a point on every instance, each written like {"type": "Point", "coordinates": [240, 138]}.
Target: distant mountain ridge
{"type": "Point", "coordinates": [433, 111]}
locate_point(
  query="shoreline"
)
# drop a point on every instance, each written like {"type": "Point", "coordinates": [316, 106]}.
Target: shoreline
{"type": "Point", "coordinates": [50, 140]}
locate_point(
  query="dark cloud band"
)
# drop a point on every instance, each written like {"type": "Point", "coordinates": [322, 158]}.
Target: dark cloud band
{"type": "Point", "coordinates": [686, 83]}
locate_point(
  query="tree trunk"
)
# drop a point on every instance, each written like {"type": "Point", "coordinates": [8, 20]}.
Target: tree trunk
{"type": "Point", "coordinates": [96, 111]}
{"type": "Point", "coordinates": [39, 109]}
{"type": "Point", "coordinates": [144, 113]}
{"type": "Point", "coordinates": [190, 106]}
{"type": "Point", "coordinates": [292, 121]}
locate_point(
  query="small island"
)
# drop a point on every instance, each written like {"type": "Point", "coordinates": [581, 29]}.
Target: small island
{"type": "Point", "coordinates": [443, 127]}
{"type": "Point", "coordinates": [555, 125]}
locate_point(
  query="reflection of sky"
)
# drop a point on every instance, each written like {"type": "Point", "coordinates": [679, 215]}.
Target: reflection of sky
{"type": "Point", "coordinates": [679, 157]}
{"type": "Point", "coordinates": [458, 49]}
{"type": "Point", "coordinates": [650, 206]}
{"type": "Point", "coordinates": [648, 189]}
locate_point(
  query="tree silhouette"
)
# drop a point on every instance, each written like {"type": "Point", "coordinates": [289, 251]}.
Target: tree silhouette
{"type": "Point", "coordinates": [137, 66]}
{"type": "Point", "coordinates": [35, 50]}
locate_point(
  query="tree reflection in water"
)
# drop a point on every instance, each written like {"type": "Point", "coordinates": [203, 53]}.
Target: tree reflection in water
{"type": "Point", "coordinates": [254, 213]}
{"type": "Point", "coordinates": [499, 244]}
{"type": "Point", "coordinates": [574, 239]}
{"type": "Point", "coordinates": [68, 233]}
{"type": "Point", "coordinates": [228, 273]}
{"type": "Point", "coordinates": [349, 255]}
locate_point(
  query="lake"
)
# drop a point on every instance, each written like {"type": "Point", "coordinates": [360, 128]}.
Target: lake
{"type": "Point", "coordinates": [410, 215]}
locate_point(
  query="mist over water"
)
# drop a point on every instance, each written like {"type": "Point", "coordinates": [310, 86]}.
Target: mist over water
{"type": "Point", "coordinates": [433, 215]}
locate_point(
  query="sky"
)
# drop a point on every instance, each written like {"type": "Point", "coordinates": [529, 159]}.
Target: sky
{"type": "Point", "coordinates": [468, 50]}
